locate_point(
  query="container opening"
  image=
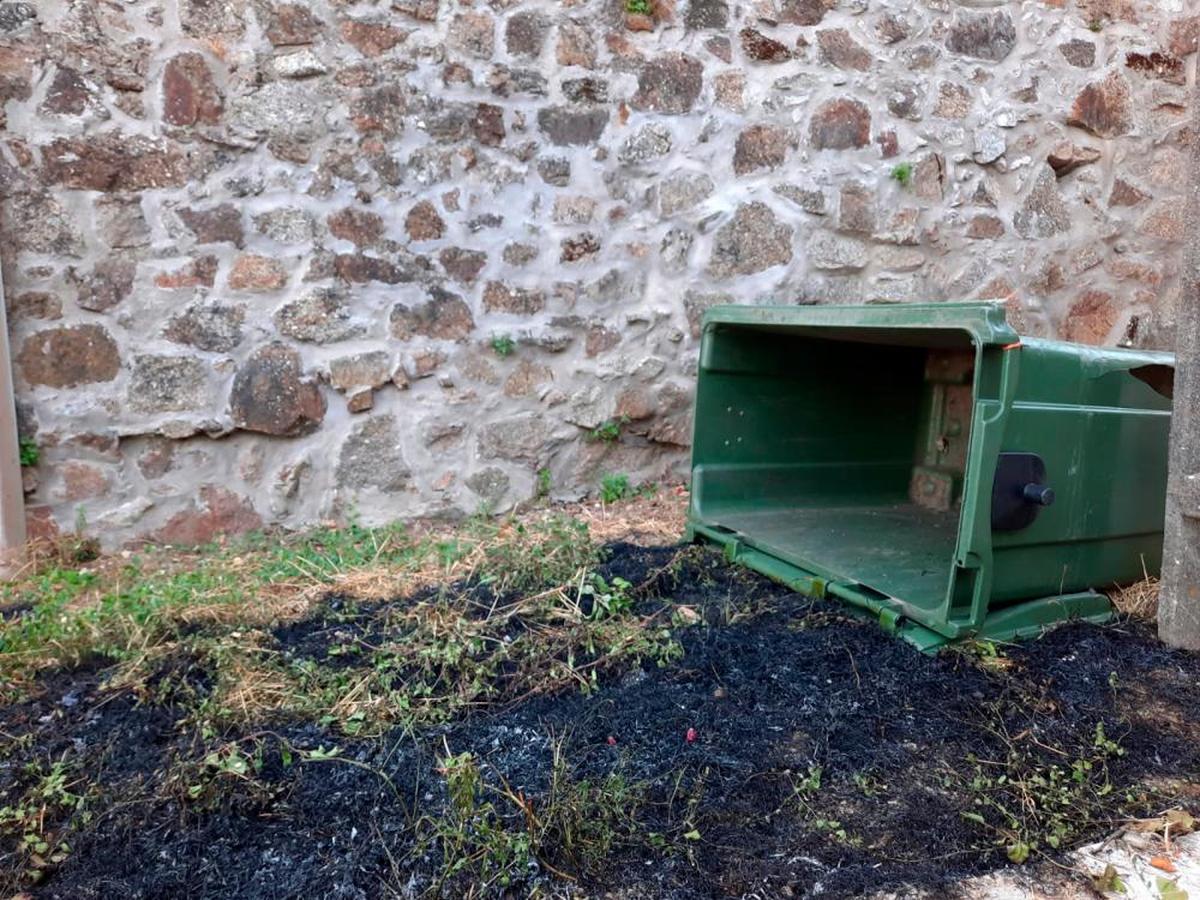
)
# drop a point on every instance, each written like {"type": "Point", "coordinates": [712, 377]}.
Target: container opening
{"type": "Point", "coordinates": [845, 455]}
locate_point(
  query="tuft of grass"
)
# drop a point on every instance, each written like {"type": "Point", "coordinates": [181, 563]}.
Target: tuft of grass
{"type": "Point", "coordinates": [609, 430]}
{"type": "Point", "coordinates": [1138, 601]}
{"type": "Point", "coordinates": [503, 345]}
{"type": "Point", "coordinates": [639, 7]}
{"type": "Point", "coordinates": [615, 486]}
{"type": "Point", "coordinates": [29, 452]}
{"type": "Point", "coordinates": [902, 174]}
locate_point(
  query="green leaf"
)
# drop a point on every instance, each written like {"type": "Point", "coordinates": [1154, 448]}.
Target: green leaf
{"type": "Point", "coordinates": [694, 835]}
{"type": "Point", "coordinates": [1108, 881]}
{"type": "Point", "coordinates": [1018, 852]}
{"type": "Point", "coordinates": [1169, 890]}
{"type": "Point", "coordinates": [973, 817]}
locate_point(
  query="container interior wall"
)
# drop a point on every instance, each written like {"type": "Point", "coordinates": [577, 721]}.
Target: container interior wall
{"type": "Point", "coordinates": [811, 446]}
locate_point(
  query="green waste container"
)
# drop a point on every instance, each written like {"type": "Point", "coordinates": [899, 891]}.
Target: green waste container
{"type": "Point", "coordinates": [925, 464]}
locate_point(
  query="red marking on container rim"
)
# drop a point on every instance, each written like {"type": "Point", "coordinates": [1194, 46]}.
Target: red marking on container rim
{"type": "Point", "coordinates": [1013, 346]}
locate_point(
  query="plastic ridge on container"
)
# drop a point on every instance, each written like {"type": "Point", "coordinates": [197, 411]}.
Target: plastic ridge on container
{"type": "Point", "coordinates": [927, 466]}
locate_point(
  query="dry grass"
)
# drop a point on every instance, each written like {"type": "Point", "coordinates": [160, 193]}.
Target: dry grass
{"type": "Point", "coordinates": [1138, 601]}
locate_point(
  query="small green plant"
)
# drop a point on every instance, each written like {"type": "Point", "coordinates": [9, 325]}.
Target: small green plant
{"type": "Point", "coordinates": [30, 454]}
{"type": "Point", "coordinates": [31, 818]}
{"type": "Point", "coordinates": [615, 486]}
{"type": "Point", "coordinates": [503, 345]}
{"type": "Point", "coordinates": [902, 174]}
{"type": "Point", "coordinates": [607, 598]}
{"type": "Point", "coordinates": [638, 7]}
{"type": "Point", "coordinates": [1096, 25]}
{"type": "Point", "coordinates": [609, 430]}
{"type": "Point", "coordinates": [543, 482]}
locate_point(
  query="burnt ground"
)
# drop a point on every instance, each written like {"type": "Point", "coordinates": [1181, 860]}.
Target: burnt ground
{"type": "Point", "coordinates": [827, 758]}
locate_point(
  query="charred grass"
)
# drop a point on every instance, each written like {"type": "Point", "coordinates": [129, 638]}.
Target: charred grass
{"type": "Point", "coordinates": [514, 709]}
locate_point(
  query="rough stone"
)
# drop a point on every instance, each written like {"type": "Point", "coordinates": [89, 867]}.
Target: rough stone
{"type": "Point", "coordinates": [1090, 318]}
{"type": "Point", "coordinates": [905, 100]}
{"type": "Point", "coordinates": [218, 225]}
{"type": "Point", "coordinates": [841, 51]}
{"type": "Point", "coordinates": [1104, 108]}
{"type": "Point", "coordinates": [34, 305]}
{"type": "Point", "coordinates": [1079, 53]}
{"type": "Point", "coordinates": [566, 126]}
{"type": "Point", "coordinates": [1042, 213]}
{"type": "Point", "coordinates": [302, 63]}
{"type": "Point", "coordinates": [371, 369]}
{"type": "Point", "coordinates": [292, 24]}
{"type": "Point", "coordinates": [840, 124]}
{"type": "Point", "coordinates": [706, 14]}
{"type": "Point", "coordinates": [525, 33]}
{"type": "Point", "coordinates": [463, 265]}
{"type": "Point", "coordinates": [954, 101]}
{"type": "Point", "coordinates": [1184, 36]}
{"type": "Point", "coordinates": [729, 90]}
{"type": "Point", "coordinates": [190, 94]}
{"type": "Point", "coordinates": [522, 438]}
{"type": "Point", "coordinates": [1066, 156]}
{"type": "Point", "coordinates": [424, 10]}
{"type": "Point", "coordinates": [216, 327]}
{"type": "Point", "coordinates": [576, 46]}
{"type": "Point", "coordinates": [444, 316]}
{"type": "Point", "coordinates": [360, 227]}
{"type": "Point", "coordinates": [526, 378]}
{"type": "Point", "coordinates": [113, 161]}
{"type": "Point", "coordinates": [221, 513]}
{"type": "Point", "coordinates": [286, 225]}
{"type": "Point", "coordinates": [69, 356]}
{"type": "Point", "coordinates": [320, 316]}
{"type": "Point", "coordinates": [37, 222]}
{"type": "Point", "coordinates": [501, 297]}
{"type": "Point", "coordinates": [1162, 66]}
{"type": "Point", "coordinates": [205, 18]}
{"type": "Point", "coordinates": [1126, 194]}
{"type": "Point", "coordinates": [372, 38]}
{"type": "Point", "coordinates": [805, 12]}
{"type": "Point", "coordinates": [199, 272]}
{"type": "Point", "coordinates": [490, 484]}
{"type": "Point", "coordinates": [1166, 222]}
{"type": "Point", "coordinates": [669, 84]}
{"type": "Point", "coordinates": [585, 90]}
{"type": "Point", "coordinates": [649, 142]}
{"type": "Point", "coordinates": [121, 222]}
{"type": "Point", "coordinates": [811, 200]}
{"type": "Point", "coordinates": [831, 253]}
{"type": "Point", "coordinates": [856, 209]}
{"type": "Point", "coordinates": [579, 247]}
{"type": "Point", "coordinates": [683, 191]}
{"type": "Point", "coordinates": [761, 147]}
{"type": "Point", "coordinates": [985, 227]}
{"type": "Point", "coordinates": [110, 282]}
{"type": "Point", "coordinates": [752, 241]}
{"type": "Point", "coordinates": [270, 395]}
{"type": "Point", "coordinates": [573, 210]}
{"type": "Point", "coordinates": [472, 34]}
{"type": "Point", "coordinates": [423, 222]}
{"type": "Point", "coordinates": [759, 47]}
{"type": "Point", "coordinates": [257, 274]}
{"type": "Point", "coordinates": [372, 458]}
{"type": "Point", "coordinates": [990, 145]}
{"type": "Point", "coordinates": [167, 384]}
{"type": "Point", "coordinates": [982, 35]}
{"type": "Point", "coordinates": [70, 94]}
{"type": "Point", "coordinates": [929, 177]}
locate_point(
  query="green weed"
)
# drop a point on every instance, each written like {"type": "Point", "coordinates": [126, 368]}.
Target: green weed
{"type": "Point", "coordinates": [615, 486]}
{"type": "Point", "coordinates": [609, 430]}
{"type": "Point", "coordinates": [30, 454]}
{"type": "Point", "coordinates": [639, 7]}
{"type": "Point", "coordinates": [902, 174]}
{"type": "Point", "coordinates": [503, 345]}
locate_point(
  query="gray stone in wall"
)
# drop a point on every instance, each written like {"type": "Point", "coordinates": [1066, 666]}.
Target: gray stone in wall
{"type": "Point", "coordinates": [523, 438]}
{"type": "Point", "coordinates": [982, 35]}
{"type": "Point", "coordinates": [1042, 213]}
{"type": "Point", "coordinates": [371, 457]}
{"type": "Point", "coordinates": [567, 127]}
{"type": "Point", "coordinates": [752, 241]}
{"type": "Point", "coordinates": [831, 253]}
{"type": "Point", "coordinates": [286, 225]}
{"type": "Point", "coordinates": [648, 142]}
{"type": "Point", "coordinates": [320, 316]}
{"type": "Point", "coordinates": [167, 384]}
{"type": "Point", "coordinates": [669, 84]}
{"type": "Point", "coordinates": [205, 325]}
{"type": "Point", "coordinates": [490, 484]}
{"type": "Point", "coordinates": [683, 191]}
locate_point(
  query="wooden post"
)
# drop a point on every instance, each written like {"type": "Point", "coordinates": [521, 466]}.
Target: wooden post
{"type": "Point", "coordinates": [12, 493]}
{"type": "Point", "coordinates": [1179, 600]}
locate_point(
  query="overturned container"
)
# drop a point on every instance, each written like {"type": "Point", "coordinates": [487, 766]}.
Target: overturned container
{"type": "Point", "coordinates": [927, 466]}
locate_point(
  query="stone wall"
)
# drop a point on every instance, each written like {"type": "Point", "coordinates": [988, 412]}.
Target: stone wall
{"type": "Point", "coordinates": [276, 262]}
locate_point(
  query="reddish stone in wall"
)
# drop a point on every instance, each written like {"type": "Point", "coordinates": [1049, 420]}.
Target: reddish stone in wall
{"type": "Point", "coordinates": [1090, 319]}
{"type": "Point", "coordinates": [1104, 108]}
{"type": "Point", "coordinates": [82, 481]}
{"type": "Point", "coordinates": [271, 396]}
{"type": "Point", "coordinates": [220, 512]}
{"type": "Point", "coordinates": [840, 124]}
{"type": "Point", "coordinates": [372, 38]}
{"type": "Point", "coordinates": [114, 162]}
{"type": "Point", "coordinates": [190, 94]}
{"type": "Point", "coordinates": [66, 357]}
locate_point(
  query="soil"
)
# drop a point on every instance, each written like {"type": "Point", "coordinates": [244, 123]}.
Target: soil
{"type": "Point", "coordinates": [767, 697]}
